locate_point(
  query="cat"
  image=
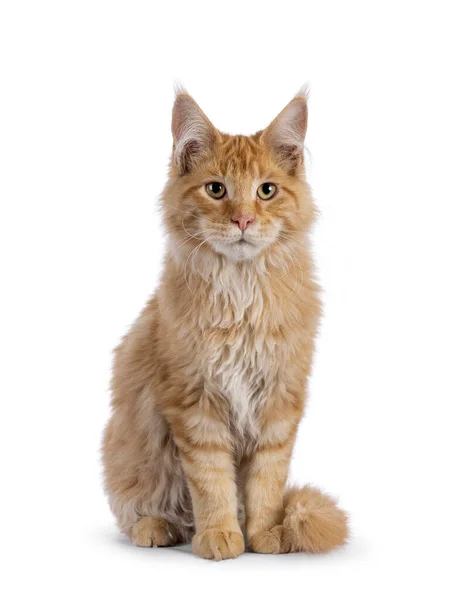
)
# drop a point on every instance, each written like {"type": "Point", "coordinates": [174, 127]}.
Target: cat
{"type": "Point", "coordinates": [209, 384]}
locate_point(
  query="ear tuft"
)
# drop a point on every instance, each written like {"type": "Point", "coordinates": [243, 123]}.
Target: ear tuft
{"type": "Point", "coordinates": [193, 133]}
{"type": "Point", "coordinates": [286, 134]}
{"type": "Point", "coordinates": [303, 92]}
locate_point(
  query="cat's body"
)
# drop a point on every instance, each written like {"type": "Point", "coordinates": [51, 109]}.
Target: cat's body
{"type": "Point", "coordinates": [209, 384]}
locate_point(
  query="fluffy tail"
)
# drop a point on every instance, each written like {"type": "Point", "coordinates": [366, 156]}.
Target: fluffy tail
{"type": "Point", "coordinates": [313, 522]}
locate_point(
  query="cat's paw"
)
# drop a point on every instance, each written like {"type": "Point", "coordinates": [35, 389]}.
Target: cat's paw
{"type": "Point", "coordinates": [152, 532]}
{"type": "Point", "coordinates": [267, 542]}
{"type": "Point", "coordinates": [218, 544]}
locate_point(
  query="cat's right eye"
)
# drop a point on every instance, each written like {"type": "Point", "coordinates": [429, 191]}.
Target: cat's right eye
{"type": "Point", "coordinates": [216, 190]}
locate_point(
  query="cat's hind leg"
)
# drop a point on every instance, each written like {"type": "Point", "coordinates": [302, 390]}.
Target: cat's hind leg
{"type": "Point", "coordinates": [153, 532]}
{"type": "Point", "coordinates": [145, 482]}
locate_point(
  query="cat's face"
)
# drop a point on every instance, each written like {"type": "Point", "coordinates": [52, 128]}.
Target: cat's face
{"type": "Point", "coordinates": [237, 195]}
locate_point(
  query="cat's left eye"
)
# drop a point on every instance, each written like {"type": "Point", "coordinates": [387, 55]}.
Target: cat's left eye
{"type": "Point", "coordinates": [216, 190]}
{"type": "Point", "coordinates": [267, 191]}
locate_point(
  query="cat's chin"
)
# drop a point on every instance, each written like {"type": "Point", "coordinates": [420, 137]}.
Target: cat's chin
{"type": "Point", "coordinates": [239, 251]}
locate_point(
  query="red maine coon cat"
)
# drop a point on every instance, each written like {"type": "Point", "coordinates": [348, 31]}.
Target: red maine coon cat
{"type": "Point", "coordinates": [209, 384]}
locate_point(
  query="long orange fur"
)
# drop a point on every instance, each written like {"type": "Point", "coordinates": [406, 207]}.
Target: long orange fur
{"type": "Point", "coordinates": [209, 384]}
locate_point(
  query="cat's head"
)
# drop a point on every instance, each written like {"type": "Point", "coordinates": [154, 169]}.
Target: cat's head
{"type": "Point", "coordinates": [238, 196]}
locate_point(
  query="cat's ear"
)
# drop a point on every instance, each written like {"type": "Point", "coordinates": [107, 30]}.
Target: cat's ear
{"type": "Point", "coordinates": [286, 134]}
{"type": "Point", "coordinates": [193, 133]}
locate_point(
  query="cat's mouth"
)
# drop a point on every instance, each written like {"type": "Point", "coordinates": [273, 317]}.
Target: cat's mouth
{"type": "Point", "coordinates": [244, 240]}
{"type": "Point", "coordinates": [241, 248]}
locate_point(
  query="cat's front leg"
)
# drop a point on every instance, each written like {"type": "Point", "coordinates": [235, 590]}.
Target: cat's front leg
{"type": "Point", "coordinates": [266, 473]}
{"type": "Point", "coordinates": [205, 449]}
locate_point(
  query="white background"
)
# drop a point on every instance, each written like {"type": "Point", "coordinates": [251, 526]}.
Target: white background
{"type": "Point", "coordinates": [85, 104]}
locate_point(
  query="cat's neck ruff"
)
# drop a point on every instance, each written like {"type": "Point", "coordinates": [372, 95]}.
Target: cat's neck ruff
{"type": "Point", "coordinates": [224, 292]}
{"type": "Point", "coordinates": [201, 260]}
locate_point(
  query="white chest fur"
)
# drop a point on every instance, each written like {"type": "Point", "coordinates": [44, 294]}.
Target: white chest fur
{"type": "Point", "coordinates": [241, 353]}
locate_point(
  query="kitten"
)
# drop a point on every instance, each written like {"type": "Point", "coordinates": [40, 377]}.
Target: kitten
{"type": "Point", "coordinates": [209, 385]}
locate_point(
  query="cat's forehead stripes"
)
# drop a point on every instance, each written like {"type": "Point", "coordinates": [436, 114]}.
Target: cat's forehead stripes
{"type": "Point", "coordinates": [238, 155]}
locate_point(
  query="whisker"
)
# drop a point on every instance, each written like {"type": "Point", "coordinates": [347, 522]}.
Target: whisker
{"type": "Point", "coordinates": [186, 213]}
{"type": "Point", "coordinates": [295, 267]}
{"type": "Point", "coordinates": [188, 238]}
{"type": "Point", "coordinates": [186, 263]}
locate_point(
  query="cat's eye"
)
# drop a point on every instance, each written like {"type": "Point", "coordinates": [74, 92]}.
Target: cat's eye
{"type": "Point", "coordinates": [216, 190]}
{"type": "Point", "coordinates": [267, 191]}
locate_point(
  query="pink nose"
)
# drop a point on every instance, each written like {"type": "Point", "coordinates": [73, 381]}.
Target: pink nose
{"type": "Point", "coordinates": [242, 221]}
